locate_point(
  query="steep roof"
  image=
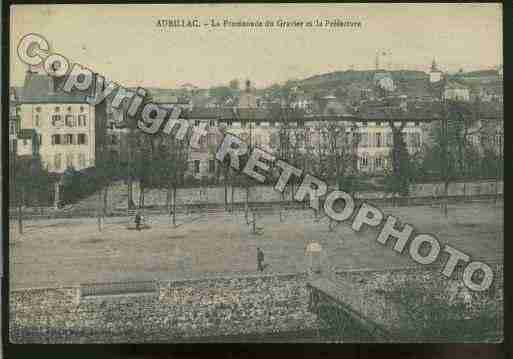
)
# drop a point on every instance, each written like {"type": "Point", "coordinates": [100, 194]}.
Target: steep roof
{"type": "Point", "coordinates": [383, 111]}
{"type": "Point", "coordinates": [455, 85]}
{"type": "Point", "coordinates": [166, 96]}
{"type": "Point", "coordinates": [41, 88]}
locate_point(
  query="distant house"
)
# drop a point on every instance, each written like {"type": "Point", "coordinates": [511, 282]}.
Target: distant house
{"type": "Point", "coordinates": [333, 107]}
{"type": "Point", "coordinates": [68, 131]}
{"type": "Point", "coordinates": [188, 87]}
{"type": "Point", "coordinates": [302, 102]}
{"type": "Point", "coordinates": [487, 130]}
{"type": "Point", "coordinates": [247, 98]}
{"type": "Point", "coordinates": [456, 91]}
{"type": "Point", "coordinates": [490, 92]}
{"type": "Point", "coordinates": [435, 75]}
{"type": "Point", "coordinates": [384, 81]}
{"type": "Point", "coordinates": [168, 99]}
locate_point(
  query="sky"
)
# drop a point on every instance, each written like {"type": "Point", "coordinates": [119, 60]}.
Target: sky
{"type": "Point", "coordinates": [124, 43]}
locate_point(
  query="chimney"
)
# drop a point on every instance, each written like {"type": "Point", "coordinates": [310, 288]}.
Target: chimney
{"type": "Point", "coordinates": [28, 76]}
{"type": "Point", "coordinates": [51, 85]}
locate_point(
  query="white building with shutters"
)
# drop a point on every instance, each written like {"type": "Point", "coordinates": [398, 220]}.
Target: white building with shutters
{"type": "Point", "coordinates": [69, 129]}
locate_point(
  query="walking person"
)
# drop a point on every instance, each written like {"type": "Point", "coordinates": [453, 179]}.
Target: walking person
{"type": "Point", "coordinates": [260, 260]}
{"type": "Point", "coordinates": [138, 219]}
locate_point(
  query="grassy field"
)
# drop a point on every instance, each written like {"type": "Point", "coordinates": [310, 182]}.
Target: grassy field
{"type": "Point", "coordinates": [73, 251]}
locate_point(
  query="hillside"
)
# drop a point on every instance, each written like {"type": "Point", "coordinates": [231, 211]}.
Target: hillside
{"type": "Point", "coordinates": [340, 78]}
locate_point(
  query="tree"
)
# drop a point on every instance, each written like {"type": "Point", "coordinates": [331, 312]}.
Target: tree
{"type": "Point", "coordinates": [221, 94]}
{"type": "Point", "coordinates": [169, 167]}
{"type": "Point", "coordinates": [342, 143]}
{"type": "Point", "coordinates": [135, 144]}
{"type": "Point", "coordinates": [402, 173]}
{"type": "Point", "coordinates": [450, 155]}
{"type": "Point", "coordinates": [144, 164]}
{"type": "Point", "coordinates": [234, 84]}
{"type": "Point", "coordinates": [341, 94]}
{"type": "Point", "coordinates": [223, 170]}
{"type": "Point", "coordinates": [31, 184]}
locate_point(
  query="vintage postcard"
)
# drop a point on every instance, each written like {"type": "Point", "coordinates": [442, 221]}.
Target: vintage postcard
{"type": "Point", "coordinates": [255, 173]}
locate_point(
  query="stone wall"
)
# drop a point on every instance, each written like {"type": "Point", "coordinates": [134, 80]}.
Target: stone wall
{"type": "Point", "coordinates": [256, 305]}
{"type": "Point", "coordinates": [267, 194]}
{"type": "Point", "coordinates": [251, 306]}
{"type": "Point", "coordinates": [415, 302]}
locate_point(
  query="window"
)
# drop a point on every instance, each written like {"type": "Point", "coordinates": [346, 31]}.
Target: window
{"type": "Point", "coordinates": [40, 139]}
{"type": "Point", "coordinates": [81, 160]}
{"type": "Point", "coordinates": [212, 123]}
{"type": "Point", "coordinates": [258, 139]}
{"type": "Point", "coordinates": [271, 124]}
{"type": "Point", "coordinates": [69, 160]}
{"type": "Point", "coordinates": [389, 140]}
{"type": "Point", "coordinates": [211, 139]}
{"type": "Point", "coordinates": [113, 140]}
{"type": "Point", "coordinates": [415, 138]}
{"type": "Point", "coordinates": [38, 109]}
{"type": "Point", "coordinates": [69, 108]}
{"type": "Point", "coordinates": [379, 162]}
{"type": "Point", "coordinates": [56, 119]}
{"type": "Point", "coordinates": [24, 142]}
{"type": "Point", "coordinates": [196, 166]}
{"type": "Point", "coordinates": [257, 123]}
{"type": "Point", "coordinates": [363, 161]}
{"type": "Point", "coordinates": [81, 108]}
{"type": "Point", "coordinates": [378, 140]}
{"type": "Point", "coordinates": [307, 136]}
{"type": "Point", "coordinates": [82, 120]}
{"type": "Point", "coordinates": [57, 109]}
{"type": "Point", "coordinates": [82, 139]}
{"type": "Point", "coordinates": [211, 166]}
{"type": "Point", "coordinates": [365, 139]}
{"type": "Point", "coordinates": [56, 140]}
{"type": "Point", "coordinates": [36, 117]}
{"type": "Point", "coordinates": [70, 121]}
{"type": "Point", "coordinates": [68, 139]}
{"type": "Point", "coordinates": [243, 124]}
{"type": "Point", "coordinates": [196, 123]}
{"type": "Point", "coordinates": [57, 161]}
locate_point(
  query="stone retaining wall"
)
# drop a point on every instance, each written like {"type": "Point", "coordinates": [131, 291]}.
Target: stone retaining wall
{"type": "Point", "coordinates": [267, 194]}
{"type": "Point", "coordinates": [184, 309]}
{"type": "Point", "coordinates": [254, 306]}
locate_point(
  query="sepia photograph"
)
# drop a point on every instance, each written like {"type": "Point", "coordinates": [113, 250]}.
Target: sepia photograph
{"type": "Point", "coordinates": [305, 173]}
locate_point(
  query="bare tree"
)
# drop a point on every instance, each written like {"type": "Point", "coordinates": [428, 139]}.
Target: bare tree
{"type": "Point", "coordinates": [341, 156]}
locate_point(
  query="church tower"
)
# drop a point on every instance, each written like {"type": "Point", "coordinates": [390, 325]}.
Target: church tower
{"type": "Point", "coordinates": [435, 75]}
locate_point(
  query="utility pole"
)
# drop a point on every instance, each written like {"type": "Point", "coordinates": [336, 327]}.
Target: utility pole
{"type": "Point", "coordinates": [18, 190]}
{"type": "Point", "coordinates": [248, 180]}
